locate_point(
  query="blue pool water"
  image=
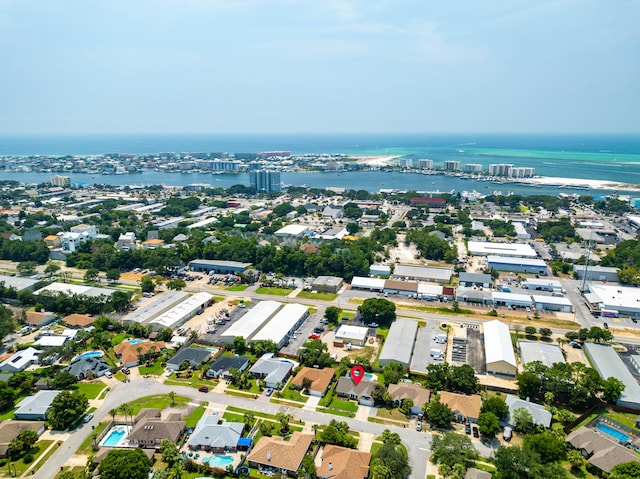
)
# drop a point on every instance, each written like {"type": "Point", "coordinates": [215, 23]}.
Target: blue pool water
{"type": "Point", "coordinates": [114, 437]}
{"type": "Point", "coordinates": [135, 341]}
{"type": "Point", "coordinates": [220, 461]}
{"type": "Point", "coordinates": [90, 354]}
{"type": "Point", "coordinates": [370, 377]}
{"type": "Point", "coordinates": [620, 436]}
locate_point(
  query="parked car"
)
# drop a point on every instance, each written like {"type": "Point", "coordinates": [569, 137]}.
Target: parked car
{"type": "Point", "coordinates": [467, 428]}
{"type": "Point", "coordinates": [87, 418]}
{"type": "Point", "coordinates": [606, 325]}
{"type": "Point", "coordinates": [269, 392]}
{"type": "Point", "coordinates": [126, 370]}
{"type": "Point", "coordinates": [203, 389]}
{"type": "Point", "coordinates": [475, 432]}
{"type": "Point", "coordinates": [419, 426]}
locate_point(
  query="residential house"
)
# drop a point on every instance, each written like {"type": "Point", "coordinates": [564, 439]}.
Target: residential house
{"type": "Point", "coordinates": [126, 241]}
{"type": "Point", "coordinates": [129, 352]}
{"type": "Point", "coordinates": [538, 412]}
{"type": "Point", "coordinates": [87, 367]}
{"type": "Point", "coordinates": [465, 407]}
{"type": "Point", "coordinates": [276, 454]}
{"type": "Point", "coordinates": [11, 429]}
{"type": "Point", "coordinates": [211, 434]}
{"type": "Point", "coordinates": [343, 463]}
{"type": "Point", "coordinates": [360, 392]}
{"type": "Point", "coordinates": [194, 356]}
{"type": "Point", "coordinates": [152, 243]}
{"type": "Point", "coordinates": [273, 370]}
{"type": "Point", "coordinates": [220, 367]}
{"type": "Point", "coordinates": [473, 473]}
{"type": "Point", "coordinates": [601, 452]}
{"type": "Point", "coordinates": [78, 320]}
{"type": "Point", "coordinates": [45, 342]}
{"type": "Point", "coordinates": [320, 380]}
{"type": "Point", "coordinates": [34, 408]}
{"type": "Point", "coordinates": [36, 318]}
{"type": "Point", "coordinates": [415, 392]}
{"type": "Point", "coordinates": [149, 430]}
{"type": "Point", "coordinates": [332, 212]}
{"type": "Point", "coordinates": [20, 360]}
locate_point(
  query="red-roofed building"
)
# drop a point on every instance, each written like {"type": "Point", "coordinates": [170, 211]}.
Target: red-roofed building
{"type": "Point", "coordinates": [423, 200]}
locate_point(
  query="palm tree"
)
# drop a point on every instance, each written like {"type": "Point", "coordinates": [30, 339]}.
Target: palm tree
{"type": "Point", "coordinates": [127, 410]}
{"type": "Point", "coordinates": [113, 413]}
{"type": "Point", "coordinates": [315, 428]}
{"type": "Point", "coordinates": [172, 395]}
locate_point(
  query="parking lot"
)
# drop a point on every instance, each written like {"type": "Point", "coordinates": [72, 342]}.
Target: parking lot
{"type": "Point", "coordinates": [425, 343]}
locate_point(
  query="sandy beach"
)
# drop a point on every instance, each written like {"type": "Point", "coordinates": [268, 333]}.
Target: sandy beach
{"type": "Point", "coordinates": [376, 160]}
{"type": "Point", "coordinates": [580, 182]}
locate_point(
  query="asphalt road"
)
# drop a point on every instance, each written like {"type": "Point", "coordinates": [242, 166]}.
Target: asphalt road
{"type": "Point", "coordinates": [417, 443]}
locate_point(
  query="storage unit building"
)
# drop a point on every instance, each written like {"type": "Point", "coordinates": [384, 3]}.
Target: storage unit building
{"type": "Point", "coordinates": [398, 346]}
{"type": "Point", "coordinates": [501, 360]}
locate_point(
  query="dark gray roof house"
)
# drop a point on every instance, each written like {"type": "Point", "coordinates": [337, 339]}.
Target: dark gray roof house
{"type": "Point", "coordinates": [222, 365]}
{"type": "Point", "coordinates": [361, 392]}
{"type": "Point", "coordinates": [84, 367]}
{"type": "Point", "coordinates": [195, 357]}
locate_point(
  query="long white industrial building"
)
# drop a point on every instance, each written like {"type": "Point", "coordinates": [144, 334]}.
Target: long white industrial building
{"type": "Point", "coordinates": [248, 325]}
{"type": "Point", "coordinates": [501, 360]}
{"type": "Point", "coordinates": [182, 312]}
{"type": "Point", "coordinates": [283, 324]}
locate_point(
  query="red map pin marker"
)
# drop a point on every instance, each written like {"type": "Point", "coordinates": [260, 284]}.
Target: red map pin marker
{"type": "Point", "coordinates": [357, 373]}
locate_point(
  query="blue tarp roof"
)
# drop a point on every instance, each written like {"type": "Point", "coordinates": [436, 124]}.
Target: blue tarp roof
{"type": "Point", "coordinates": [245, 441]}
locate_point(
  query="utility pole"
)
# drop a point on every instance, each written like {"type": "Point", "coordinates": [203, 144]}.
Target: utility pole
{"type": "Point", "coordinates": [586, 265]}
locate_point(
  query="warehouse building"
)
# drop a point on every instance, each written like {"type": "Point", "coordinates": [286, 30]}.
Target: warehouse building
{"type": "Point", "coordinates": [281, 326]}
{"type": "Point", "coordinates": [422, 273]}
{"type": "Point", "coordinates": [552, 303]}
{"type": "Point", "coordinates": [17, 282]}
{"type": "Point", "coordinates": [160, 304]}
{"type": "Point", "coordinates": [596, 273]}
{"type": "Point", "coordinates": [249, 324]}
{"type": "Point", "coordinates": [543, 284]}
{"type": "Point", "coordinates": [547, 354]}
{"type": "Point", "coordinates": [75, 289]}
{"type": "Point", "coordinates": [614, 300]}
{"type": "Point", "coordinates": [218, 267]}
{"type": "Point", "coordinates": [354, 335]}
{"type": "Point", "coordinates": [501, 360]}
{"type": "Point", "coordinates": [511, 300]}
{"type": "Point", "coordinates": [327, 284]}
{"type": "Point", "coordinates": [609, 364]}
{"type": "Point", "coordinates": [398, 346]}
{"type": "Point", "coordinates": [486, 248]}
{"type": "Point", "coordinates": [182, 312]}
{"type": "Point", "coordinates": [291, 231]}
{"type": "Point", "coordinates": [517, 265]}
{"type": "Point", "coordinates": [367, 284]}
{"type": "Point", "coordinates": [480, 280]}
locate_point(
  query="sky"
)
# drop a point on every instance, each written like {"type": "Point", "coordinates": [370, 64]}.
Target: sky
{"type": "Point", "coordinates": [319, 66]}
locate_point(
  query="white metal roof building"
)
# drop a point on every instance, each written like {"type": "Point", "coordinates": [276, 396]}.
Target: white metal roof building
{"type": "Point", "coordinates": [552, 303]}
{"type": "Point", "coordinates": [249, 324]}
{"type": "Point", "coordinates": [293, 230]}
{"type": "Point", "coordinates": [71, 289]}
{"type": "Point", "coordinates": [485, 248]}
{"type": "Point", "coordinates": [547, 354]}
{"type": "Point", "coordinates": [50, 341]}
{"type": "Point", "coordinates": [511, 299]}
{"type": "Point", "coordinates": [542, 284]}
{"type": "Point", "coordinates": [369, 284]}
{"type": "Point", "coordinates": [161, 303]}
{"type": "Point", "coordinates": [517, 264]}
{"type": "Point", "coordinates": [182, 312]}
{"type": "Point", "coordinates": [501, 360]}
{"type": "Point", "coordinates": [398, 347]}
{"type": "Point", "coordinates": [355, 335]}
{"type": "Point", "coordinates": [423, 273]}
{"type": "Point", "coordinates": [17, 282]}
{"type": "Point", "coordinates": [20, 360]}
{"type": "Point", "coordinates": [609, 364]}
{"type": "Point", "coordinates": [596, 273]}
{"type": "Point", "coordinates": [280, 326]}
{"type": "Point", "coordinates": [624, 300]}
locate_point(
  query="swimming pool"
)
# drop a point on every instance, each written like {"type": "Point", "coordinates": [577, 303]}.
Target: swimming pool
{"type": "Point", "coordinates": [136, 341]}
{"type": "Point", "coordinates": [90, 354]}
{"type": "Point", "coordinates": [620, 436]}
{"type": "Point", "coordinates": [220, 461]}
{"type": "Point", "coordinates": [115, 437]}
{"type": "Point", "coordinates": [370, 377]}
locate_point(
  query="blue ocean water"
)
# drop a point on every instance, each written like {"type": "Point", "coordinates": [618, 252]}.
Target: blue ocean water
{"type": "Point", "coordinates": [614, 158]}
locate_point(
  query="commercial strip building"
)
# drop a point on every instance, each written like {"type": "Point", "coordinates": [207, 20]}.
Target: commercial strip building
{"type": "Point", "coordinates": [280, 327]}
{"type": "Point", "coordinates": [354, 335]}
{"type": "Point", "coordinates": [17, 282]}
{"type": "Point", "coordinates": [542, 284]}
{"type": "Point", "coordinates": [327, 284]}
{"type": "Point", "coordinates": [552, 303]}
{"type": "Point", "coordinates": [486, 248]}
{"type": "Point", "coordinates": [422, 273]}
{"type": "Point", "coordinates": [217, 266]}
{"type": "Point", "coordinates": [517, 264]}
{"type": "Point", "coordinates": [249, 324]}
{"type": "Point", "coordinates": [596, 273]}
{"type": "Point", "coordinates": [160, 304]}
{"type": "Point", "coordinates": [399, 344]}
{"type": "Point", "coordinates": [608, 364]}
{"type": "Point", "coordinates": [614, 300]}
{"type": "Point", "coordinates": [501, 360]}
{"type": "Point", "coordinates": [547, 354]}
{"type": "Point", "coordinates": [75, 289]}
{"type": "Point", "coordinates": [182, 312]}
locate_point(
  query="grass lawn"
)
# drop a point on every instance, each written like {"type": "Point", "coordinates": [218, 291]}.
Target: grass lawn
{"type": "Point", "coordinates": [374, 447]}
{"type": "Point", "coordinates": [320, 296]}
{"type": "Point", "coordinates": [118, 338]}
{"type": "Point", "coordinates": [335, 412]}
{"type": "Point", "coordinates": [260, 414]}
{"type": "Point", "coordinates": [195, 416]}
{"type": "Point", "coordinates": [233, 417]}
{"type": "Point", "coordinates": [7, 415]}
{"type": "Point", "coordinates": [36, 451]}
{"type": "Point", "coordinates": [90, 390]}
{"type": "Point", "coordinates": [394, 414]}
{"type": "Point", "coordinates": [292, 394]}
{"type": "Point", "coordinates": [155, 369]}
{"type": "Point", "coordinates": [286, 403]}
{"type": "Point", "coordinates": [254, 389]}
{"type": "Point", "coordinates": [274, 291]}
{"type": "Point", "coordinates": [158, 402]}
{"type": "Point", "coordinates": [193, 381]}
{"type": "Point", "coordinates": [89, 440]}
{"type": "Point", "coordinates": [343, 405]}
{"type": "Point", "coordinates": [624, 418]}
{"type": "Point", "coordinates": [237, 287]}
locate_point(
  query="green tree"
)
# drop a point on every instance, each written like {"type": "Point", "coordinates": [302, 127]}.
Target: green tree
{"type": "Point", "coordinates": [548, 446]}
{"type": "Point", "coordinates": [147, 285]}
{"type": "Point", "coordinates": [65, 408]}
{"type": "Point", "coordinates": [522, 419]}
{"type": "Point", "coordinates": [452, 448]}
{"type": "Point", "coordinates": [51, 269]}
{"type": "Point", "coordinates": [389, 437]}
{"type": "Point", "coordinates": [495, 405]}
{"type": "Point", "coordinates": [612, 389]}
{"type": "Point", "coordinates": [7, 323]}
{"type": "Point", "coordinates": [488, 424]}
{"type": "Point", "coordinates": [463, 379]}
{"type": "Point", "coordinates": [391, 461]}
{"type": "Point", "coordinates": [337, 433]}
{"type": "Point", "coordinates": [176, 284]}
{"type": "Point", "coordinates": [626, 470]}
{"type": "Point", "coordinates": [393, 373]}
{"type": "Point", "coordinates": [239, 346]}
{"type": "Point", "coordinates": [315, 353]}
{"type": "Point", "coordinates": [529, 384]}
{"type": "Point", "coordinates": [169, 452]}
{"type": "Point", "coordinates": [332, 314]}
{"type": "Point", "coordinates": [308, 468]}
{"type": "Point", "coordinates": [545, 332]}
{"type": "Point", "coordinates": [530, 330]}
{"type": "Point", "coordinates": [27, 268]}
{"type": "Point", "coordinates": [439, 415]}
{"type": "Point", "coordinates": [113, 274]}
{"type": "Point", "coordinates": [63, 380]}
{"type": "Point", "coordinates": [378, 310]}
{"type": "Point", "coordinates": [91, 275]}
{"type": "Point", "coordinates": [516, 463]}
{"type": "Point", "coordinates": [129, 463]}
{"type": "Point", "coordinates": [576, 459]}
